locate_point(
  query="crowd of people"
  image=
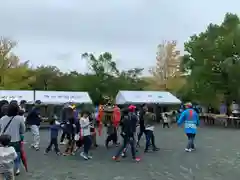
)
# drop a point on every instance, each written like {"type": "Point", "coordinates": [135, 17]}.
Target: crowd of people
{"type": "Point", "coordinates": [80, 130]}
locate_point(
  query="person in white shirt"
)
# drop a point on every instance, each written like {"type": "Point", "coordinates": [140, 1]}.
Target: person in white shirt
{"type": "Point", "coordinates": [7, 157]}
{"type": "Point", "coordinates": [166, 119]}
{"type": "Point", "coordinates": [86, 135]}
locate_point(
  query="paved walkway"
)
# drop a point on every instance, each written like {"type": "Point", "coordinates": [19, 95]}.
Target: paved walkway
{"type": "Point", "coordinates": [217, 157]}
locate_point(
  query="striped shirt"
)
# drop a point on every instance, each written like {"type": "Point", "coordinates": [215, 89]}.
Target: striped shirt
{"type": "Point", "coordinates": [7, 157]}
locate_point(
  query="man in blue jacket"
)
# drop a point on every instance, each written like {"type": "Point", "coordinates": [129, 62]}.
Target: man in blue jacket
{"type": "Point", "coordinates": [189, 117]}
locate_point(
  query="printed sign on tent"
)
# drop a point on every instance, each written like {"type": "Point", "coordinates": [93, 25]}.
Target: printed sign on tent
{"type": "Point", "coordinates": [56, 97]}
{"type": "Point", "coordinates": [10, 95]}
{"type": "Point", "coordinates": [63, 97]}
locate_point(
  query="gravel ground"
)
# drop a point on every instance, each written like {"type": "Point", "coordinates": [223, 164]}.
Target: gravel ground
{"type": "Point", "coordinates": [217, 157]}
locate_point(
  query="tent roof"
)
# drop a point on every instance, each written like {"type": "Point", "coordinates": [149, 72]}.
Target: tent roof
{"type": "Point", "coordinates": [140, 97]}
{"type": "Point", "coordinates": [61, 97]}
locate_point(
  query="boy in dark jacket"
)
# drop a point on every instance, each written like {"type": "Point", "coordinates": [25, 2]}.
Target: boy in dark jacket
{"type": "Point", "coordinates": [128, 132]}
{"type": "Point", "coordinates": [54, 128]}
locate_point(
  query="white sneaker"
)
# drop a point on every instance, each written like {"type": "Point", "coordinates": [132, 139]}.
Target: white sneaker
{"type": "Point", "coordinates": [89, 157]}
{"type": "Point", "coordinates": [82, 154]}
{"type": "Point", "coordinates": [17, 172]}
{"type": "Point", "coordinates": [188, 150]}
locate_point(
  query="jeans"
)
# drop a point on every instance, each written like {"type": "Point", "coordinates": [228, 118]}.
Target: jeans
{"type": "Point", "coordinates": [150, 138]}
{"type": "Point", "coordinates": [36, 136]}
{"type": "Point", "coordinates": [87, 141]}
{"type": "Point", "coordinates": [17, 162]}
{"type": "Point", "coordinates": [127, 141]}
{"type": "Point", "coordinates": [190, 144]}
{"type": "Point", "coordinates": [54, 142]}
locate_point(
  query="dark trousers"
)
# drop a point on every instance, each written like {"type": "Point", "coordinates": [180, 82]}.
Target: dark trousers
{"type": "Point", "coordinates": [127, 141]}
{"type": "Point", "coordinates": [142, 131]}
{"type": "Point", "coordinates": [166, 124]}
{"type": "Point", "coordinates": [150, 139]}
{"type": "Point", "coordinates": [63, 136]}
{"type": "Point", "coordinates": [112, 137]}
{"type": "Point", "coordinates": [87, 142]}
{"type": "Point", "coordinates": [191, 138]}
{"type": "Point", "coordinates": [54, 142]}
{"type": "Point", "coordinates": [71, 143]}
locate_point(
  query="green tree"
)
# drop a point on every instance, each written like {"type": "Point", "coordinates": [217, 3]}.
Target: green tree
{"type": "Point", "coordinates": [212, 60]}
{"type": "Point", "coordinates": [13, 73]}
{"type": "Point", "coordinates": [106, 79]}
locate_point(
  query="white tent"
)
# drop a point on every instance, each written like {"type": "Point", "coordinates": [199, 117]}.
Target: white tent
{"type": "Point", "coordinates": [140, 97]}
{"type": "Point", "coordinates": [17, 95]}
{"type": "Point", "coordinates": [61, 97]}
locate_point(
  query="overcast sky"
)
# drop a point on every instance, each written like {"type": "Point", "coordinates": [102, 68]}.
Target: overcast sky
{"type": "Point", "coordinates": [56, 32]}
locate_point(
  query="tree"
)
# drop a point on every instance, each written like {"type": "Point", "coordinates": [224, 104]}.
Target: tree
{"type": "Point", "coordinates": [13, 73]}
{"type": "Point", "coordinates": [167, 65]}
{"type": "Point", "coordinates": [212, 60]}
{"type": "Point", "coordinates": [106, 80]}
{"type": "Point", "coordinates": [46, 76]}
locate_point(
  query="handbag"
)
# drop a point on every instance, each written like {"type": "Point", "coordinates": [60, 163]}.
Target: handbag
{"type": "Point", "coordinates": [6, 127]}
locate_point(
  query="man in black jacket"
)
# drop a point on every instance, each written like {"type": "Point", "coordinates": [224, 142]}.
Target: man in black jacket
{"type": "Point", "coordinates": [142, 123]}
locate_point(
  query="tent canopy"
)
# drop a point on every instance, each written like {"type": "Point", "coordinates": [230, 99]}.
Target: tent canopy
{"type": "Point", "coordinates": [61, 97]}
{"type": "Point", "coordinates": [150, 97]}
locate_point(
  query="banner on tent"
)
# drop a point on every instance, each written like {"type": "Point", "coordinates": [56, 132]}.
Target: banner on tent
{"type": "Point", "coordinates": [10, 95]}
{"type": "Point", "coordinates": [62, 97]}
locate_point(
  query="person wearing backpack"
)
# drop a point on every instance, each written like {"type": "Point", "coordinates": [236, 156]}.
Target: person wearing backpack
{"type": "Point", "coordinates": [13, 125]}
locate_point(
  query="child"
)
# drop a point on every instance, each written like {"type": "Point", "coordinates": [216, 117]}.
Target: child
{"type": "Point", "coordinates": [7, 157]}
{"type": "Point", "coordinates": [54, 128]}
{"type": "Point", "coordinates": [86, 134]}
{"type": "Point", "coordinates": [165, 120]}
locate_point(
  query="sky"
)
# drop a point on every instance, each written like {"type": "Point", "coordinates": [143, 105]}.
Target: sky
{"type": "Point", "coordinates": [57, 32]}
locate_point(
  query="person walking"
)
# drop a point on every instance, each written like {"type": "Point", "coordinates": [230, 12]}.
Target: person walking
{"type": "Point", "coordinates": [190, 119]}
{"type": "Point", "coordinates": [142, 123]}
{"type": "Point", "coordinates": [33, 120]}
{"type": "Point", "coordinates": [86, 135]}
{"type": "Point", "coordinates": [54, 128]}
{"type": "Point", "coordinates": [13, 125]}
{"type": "Point", "coordinates": [129, 122]}
{"type": "Point", "coordinates": [166, 120]}
{"type": "Point", "coordinates": [149, 131]}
